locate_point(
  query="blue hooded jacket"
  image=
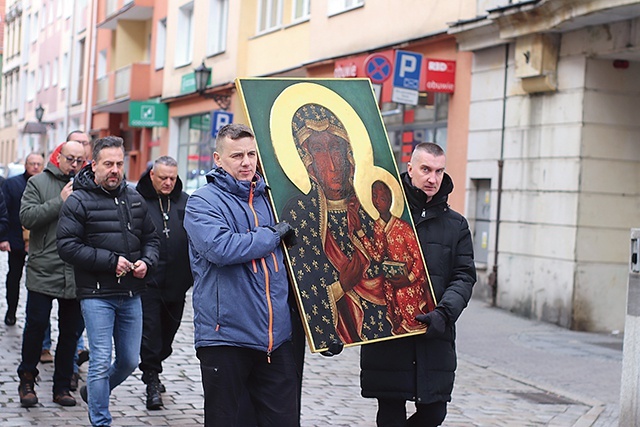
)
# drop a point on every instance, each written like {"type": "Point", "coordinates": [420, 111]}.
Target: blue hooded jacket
{"type": "Point", "coordinates": [240, 282]}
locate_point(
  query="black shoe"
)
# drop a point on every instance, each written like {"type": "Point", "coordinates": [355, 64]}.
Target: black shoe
{"type": "Point", "coordinates": [10, 319]}
{"type": "Point", "coordinates": [83, 356]}
{"type": "Point", "coordinates": [83, 394]}
{"type": "Point", "coordinates": [154, 399]}
{"type": "Point", "coordinates": [73, 384]}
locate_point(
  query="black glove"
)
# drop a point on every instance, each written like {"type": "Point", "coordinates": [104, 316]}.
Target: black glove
{"type": "Point", "coordinates": [436, 322]}
{"type": "Point", "coordinates": [286, 232]}
{"type": "Point", "coordinates": [335, 348]}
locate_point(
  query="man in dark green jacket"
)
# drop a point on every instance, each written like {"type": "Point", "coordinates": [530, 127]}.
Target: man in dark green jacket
{"type": "Point", "coordinates": [422, 368]}
{"type": "Point", "coordinates": [48, 277]}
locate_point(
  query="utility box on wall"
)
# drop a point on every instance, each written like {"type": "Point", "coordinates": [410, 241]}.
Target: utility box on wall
{"type": "Point", "coordinates": [536, 60]}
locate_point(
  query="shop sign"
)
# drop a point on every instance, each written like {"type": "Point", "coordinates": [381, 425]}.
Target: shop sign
{"type": "Point", "coordinates": [345, 69]}
{"type": "Point", "coordinates": [440, 75]}
{"type": "Point", "coordinates": [148, 114]}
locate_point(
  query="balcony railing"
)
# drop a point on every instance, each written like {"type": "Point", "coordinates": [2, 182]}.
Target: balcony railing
{"type": "Point", "coordinates": [127, 83]}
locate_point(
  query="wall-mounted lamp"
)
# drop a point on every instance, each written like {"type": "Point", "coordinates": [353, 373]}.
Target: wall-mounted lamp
{"type": "Point", "coordinates": [202, 73]}
{"type": "Point", "coordinates": [39, 112]}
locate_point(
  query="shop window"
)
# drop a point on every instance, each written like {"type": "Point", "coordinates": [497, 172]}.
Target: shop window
{"type": "Point", "coordinates": [408, 125]}
{"type": "Point", "coordinates": [195, 150]}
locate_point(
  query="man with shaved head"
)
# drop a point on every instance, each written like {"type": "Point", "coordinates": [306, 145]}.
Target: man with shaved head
{"type": "Point", "coordinates": [48, 277]}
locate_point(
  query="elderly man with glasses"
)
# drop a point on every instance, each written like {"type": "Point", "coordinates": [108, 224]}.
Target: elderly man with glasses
{"type": "Point", "coordinates": [13, 241]}
{"type": "Point", "coordinates": [48, 277]}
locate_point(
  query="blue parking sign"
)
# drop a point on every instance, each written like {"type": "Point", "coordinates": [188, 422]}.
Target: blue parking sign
{"type": "Point", "coordinates": [218, 120]}
{"type": "Point", "coordinates": [406, 77]}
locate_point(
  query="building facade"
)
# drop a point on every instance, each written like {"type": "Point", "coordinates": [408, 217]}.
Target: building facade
{"type": "Point", "coordinates": [553, 156]}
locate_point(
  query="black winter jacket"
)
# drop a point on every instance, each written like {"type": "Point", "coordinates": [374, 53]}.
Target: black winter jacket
{"type": "Point", "coordinates": [95, 227]}
{"type": "Point", "coordinates": [172, 277]}
{"type": "Point", "coordinates": [416, 368]}
{"type": "Point", "coordinates": [13, 189]}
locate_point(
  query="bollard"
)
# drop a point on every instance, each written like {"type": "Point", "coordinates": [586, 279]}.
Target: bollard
{"type": "Point", "coordinates": [630, 384]}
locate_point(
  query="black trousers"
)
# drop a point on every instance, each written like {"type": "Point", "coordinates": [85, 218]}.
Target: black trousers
{"type": "Point", "coordinates": [160, 322]}
{"type": "Point", "coordinates": [229, 372]}
{"type": "Point", "coordinates": [38, 313]}
{"type": "Point", "coordinates": [16, 265]}
{"type": "Point", "coordinates": [393, 413]}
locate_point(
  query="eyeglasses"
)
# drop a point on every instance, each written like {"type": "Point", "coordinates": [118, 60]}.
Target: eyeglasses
{"type": "Point", "coordinates": [34, 164]}
{"type": "Point", "coordinates": [71, 160]}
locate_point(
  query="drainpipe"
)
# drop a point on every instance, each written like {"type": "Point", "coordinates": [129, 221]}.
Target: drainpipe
{"type": "Point", "coordinates": [493, 277]}
{"type": "Point", "coordinates": [92, 66]}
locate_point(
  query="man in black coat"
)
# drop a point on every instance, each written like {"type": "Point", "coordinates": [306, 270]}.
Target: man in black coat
{"type": "Point", "coordinates": [12, 240]}
{"type": "Point", "coordinates": [106, 233]}
{"type": "Point", "coordinates": [163, 301]}
{"type": "Point", "coordinates": [421, 368]}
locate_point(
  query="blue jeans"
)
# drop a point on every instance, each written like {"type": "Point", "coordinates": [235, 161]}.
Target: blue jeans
{"type": "Point", "coordinates": [120, 319]}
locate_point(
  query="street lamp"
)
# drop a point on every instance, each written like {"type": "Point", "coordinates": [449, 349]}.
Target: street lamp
{"type": "Point", "coordinates": [202, 74]}
{"type": "Point", "coordinates": [39, 112]}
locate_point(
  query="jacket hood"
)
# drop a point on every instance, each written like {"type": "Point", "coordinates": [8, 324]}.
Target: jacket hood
{"type": "Point", "coordinates": [145, 187]}
{"type": "Point", "coordinates": [418, 198]}
{"type": "Point", "coordinates": [85, 180]}
{"type": "Point", "coordinates": [221, 178]}
{"type": "Point", "coordinates": [53, 158]}
{"type": "Point", "coordinates": [55, 171]}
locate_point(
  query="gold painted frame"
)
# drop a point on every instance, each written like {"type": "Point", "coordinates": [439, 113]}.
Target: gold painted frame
{"type": "Point", "coordinates": [358, 271]}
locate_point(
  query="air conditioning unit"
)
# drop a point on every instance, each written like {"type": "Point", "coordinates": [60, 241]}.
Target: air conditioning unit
{"type": "Point", "coordinates": [536, 60]}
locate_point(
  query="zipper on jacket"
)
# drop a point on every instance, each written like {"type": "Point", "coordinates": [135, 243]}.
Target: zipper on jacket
{"type": "Point", "coordinates": [266, 277]}
{"type": "Point", "coordinates": [424, 213]}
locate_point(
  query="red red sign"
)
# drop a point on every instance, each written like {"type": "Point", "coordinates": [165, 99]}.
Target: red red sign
{"type": "Point", "coordinates": [441, 75]}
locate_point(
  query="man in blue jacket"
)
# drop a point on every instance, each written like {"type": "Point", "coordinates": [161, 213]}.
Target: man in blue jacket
{"type": "Point", "coordinates": [12, 241]}
{"type": "Point", "coordinates": [241, 315]}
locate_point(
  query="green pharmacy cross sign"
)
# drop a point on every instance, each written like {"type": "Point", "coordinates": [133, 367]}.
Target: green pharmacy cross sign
{"type": "Point", "coordinates": [148, 114]}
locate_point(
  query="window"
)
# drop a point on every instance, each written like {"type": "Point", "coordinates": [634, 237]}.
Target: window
{"type": "Point", "coordinates": [47, 73]}
{"type": "Point", "coordinates": [64, 72]}
{"type": "Point", "coordinates": [337, 6]}
{"type": "Point", "coordinates": [184, 39]}
{"type": "Point", "coordinates": [161, 43]}
{"type": "Point", "coordinates": [77, 77]}
{"type": "Point", "coordinates": [195, 150]}
{"type": "Point", "coordinates": [217, 37]}
{"type": "Point", "coordinates": [408, 125]}
{"type": "Point", "coordinates": [300, 10]}
{"type": "Point", "coordinates": [34, 28]}
{"type": "Point", "coordinates": [68, 8]}
{"type": "Point", "coordinates": [54, 72]}
{"type": "Point", "coordinates": [39, 78]}
{"type": "Point", "coordinates": [269, 15]}
{"type": "Point", "coordinates": [101, 70]}
{"type": "Point", "coordinates": [31, 86]}
{"type": "Point", "coordinates": [43, 20]}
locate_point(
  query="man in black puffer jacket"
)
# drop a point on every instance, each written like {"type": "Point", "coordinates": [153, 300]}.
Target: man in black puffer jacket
{"type": "Point", "coordinates": [106, 233]}
{"type": "Point", "coordinates": [163, 302]}
{"type": "Point", "coordinates": [421, 368]}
